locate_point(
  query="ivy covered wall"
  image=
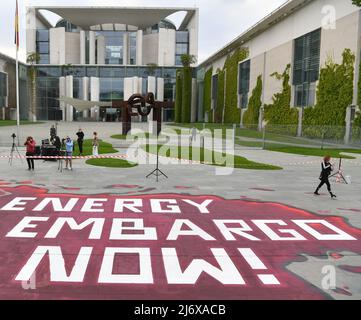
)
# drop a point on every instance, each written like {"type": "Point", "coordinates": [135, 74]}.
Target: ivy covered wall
{"type": "Point", "coordinates": [178, 97]}
{"type": "Point", "coordinates": [220, 97]}
{"type": "Point", "coordinates": [334, 95]}
{"type": "Point", "coordinates": [186, 95]}
{"type": "Point", "coordinates": [280, 112]}
{"type": "Point", "coordinates": [251, 115]}
{"type": "Point", "coordinates": [207, 94]}
{"type": "Point", "coordinates": [232, 113]}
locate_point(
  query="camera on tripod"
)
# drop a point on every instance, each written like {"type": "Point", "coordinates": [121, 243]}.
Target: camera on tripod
{"type": "Point", "coordinates": [13, 136]}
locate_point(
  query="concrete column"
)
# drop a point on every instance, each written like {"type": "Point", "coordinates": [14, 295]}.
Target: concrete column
{"type": "Point", "coordinates": [85, 95]}
{"type": "Point", "coordinates": [126, 49]}
{"type": "Point", "coordinates": [152, 87]}
{"type": "Point", "coordinates": [128, 88]}
{"type": "Point", "coordinates": [194, 101]}
{"type": "Point", "coordinates": [101, 50]}
{"type": "Point", "coordinates": [57, 45]}
{"type": "Point", "coordinates": [94, 96]}
{"type": "Point", "coordinates": [160, 97]}
{"type": "Point", "coordinates": [260, 119]}
{"type": "Point", "coordinates": [82, 47]}
{"type": "Point", "coordinates": [152, 84]}
{"type": "Point", "coordinates": [348, 124]}
{"type": "Point", "coordinates": [69, 93]}
{"type": "Point", "coordinates": [139, 48]}
{"type": "Point", "coordinates": [62, 93]}
{"type": "Point", "coordinates": [140, 86]}
{"type": "Point", "coordinates": [300, 120]}
{"type": "Point", "coordinates": [30, 30]}
{"type": "Point", "coordinates": [91, 47]}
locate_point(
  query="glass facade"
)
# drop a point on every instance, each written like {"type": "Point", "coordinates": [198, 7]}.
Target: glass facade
{"type": "Point", "coordinates": [111, 84]}
{"type": "Point", "coordinates": [182, 46]}
{"type": "Point", "coordinates": [132, 48]}
{"type": "Point", "coordinates": [306, 67]}
{"type": "Point", "coordinates": [244, 69]}
{"type": "Point", "coordinates": [42, 46]}
{"type": "Point", "coordinates": [3, 89]}
{"type": "Point", "coordinates": [114, 42]}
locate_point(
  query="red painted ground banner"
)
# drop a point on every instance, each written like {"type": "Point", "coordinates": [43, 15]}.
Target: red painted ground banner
{"type": "Point", "coordinates": [163, 246]}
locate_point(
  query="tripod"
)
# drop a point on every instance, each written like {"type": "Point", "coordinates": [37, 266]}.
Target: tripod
{"type": "Point", "coordinates": [339, 172]}
{"type": "Point", "coordinates": [14, 148]}
{"type": "Point", "coordinates": [157, 172]}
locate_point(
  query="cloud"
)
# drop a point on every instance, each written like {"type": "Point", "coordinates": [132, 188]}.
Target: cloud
{"type": "Point", "coordinates": [220, 20]}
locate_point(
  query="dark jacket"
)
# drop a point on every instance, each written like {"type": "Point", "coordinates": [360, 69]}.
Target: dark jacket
{"type": "Point", "coordinates": [326, 170]}
{"type": "Point", "coordinates": [80, 136]}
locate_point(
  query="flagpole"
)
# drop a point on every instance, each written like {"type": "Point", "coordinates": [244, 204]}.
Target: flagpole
{"type": "Point", "coordinates": [17, 97]}
{"type": "Point", "coordinates": [17, 75]}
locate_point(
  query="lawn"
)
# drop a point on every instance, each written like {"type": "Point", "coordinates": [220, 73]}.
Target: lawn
{"type": "Point", "coordinates": [318, 152]}
{"type": "Point", "coordinates": [146, 134]}
{"type": "Point", "coordinates": [104, 148]}
{"type": "Point", "coordinates": [248, 133]}
{"type": "Point", "coordinates": [5, 123]}
{"type": "Point", "coordinates": [111, 163]}
{"type": "Point", "coordinates": [186, 154]}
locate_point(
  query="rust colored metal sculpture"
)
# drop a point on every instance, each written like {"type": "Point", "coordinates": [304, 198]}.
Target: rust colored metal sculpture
{"type": "Point", "coordinates": [141, 105]}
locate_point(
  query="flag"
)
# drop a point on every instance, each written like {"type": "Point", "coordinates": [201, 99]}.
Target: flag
{"type": "Point", "coordinates": [17, 26]}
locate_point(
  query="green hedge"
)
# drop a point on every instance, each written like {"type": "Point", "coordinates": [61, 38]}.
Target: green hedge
{"type": "Point", "coordinates": [220, 98]}
{"type": "Point", "coordinates": [251, 115]}
{"type": "Point", "coordinates": [279, 115]}
{"type": "Point", "coordinates": [232, 113]}
{"type": "Point", "coordinates": [334, 95]}
{"type": "Point", "coordinates": [207, 100]}
{"type": "Point", "coordinates": [186, 95]}
{"type": "Point", "coordinates": [178, 97]}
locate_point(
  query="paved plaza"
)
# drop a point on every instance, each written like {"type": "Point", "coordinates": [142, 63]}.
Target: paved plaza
{"type": "Point", "coordinates": [299, 268]}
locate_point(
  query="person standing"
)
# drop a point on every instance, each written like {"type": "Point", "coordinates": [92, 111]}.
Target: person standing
{"type": "Point", "coordinates": [80, 135]}
{"type": "Point", "coordinates": [95, 144]}
{"type": "Point", "coordinates": [30, 152]}
{"type": "Point", "coordinates": [69, 146]}
{"type": "Point", "coordinates": [327, 168]}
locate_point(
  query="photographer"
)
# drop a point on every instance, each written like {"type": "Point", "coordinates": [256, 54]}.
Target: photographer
{"type": "Point", "coordinates": [69, 146]}
{"type": "Point", "coordinates": [30, 151]}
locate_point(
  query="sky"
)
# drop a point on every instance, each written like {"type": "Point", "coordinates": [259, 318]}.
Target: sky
{"type": "Point", "coordinates": [220, 21]}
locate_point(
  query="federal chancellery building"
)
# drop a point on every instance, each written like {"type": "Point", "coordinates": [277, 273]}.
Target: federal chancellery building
{"type": "Point", "coordinates": [108, 53]}
{"type": "Point", "coordinates": [105, 54]}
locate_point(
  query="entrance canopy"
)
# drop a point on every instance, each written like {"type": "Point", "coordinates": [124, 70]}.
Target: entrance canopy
{"type": "Point", "coordinates": [82, 105]}
{"type": "Point", "coordinates": [86, 17]}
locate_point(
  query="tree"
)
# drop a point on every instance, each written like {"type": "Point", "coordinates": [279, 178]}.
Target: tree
{"type": "Point", "coordinates": [151, 68]}
{"type": "Point", "coordinates": [357, 2]}
{"type": "Point", "coordinates": [33, 59]}
{"type": "Point", "coordinates": [188, 59]}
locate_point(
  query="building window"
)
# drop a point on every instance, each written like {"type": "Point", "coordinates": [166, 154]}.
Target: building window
{"type": "Point", "coordinates": [111, 89]}
{"type": "Point", "coordinates": [132, 48]}
{"type": "Point", "coordinates": [42, 46]}
{"type": "Point", "coordinates": [244, 69]}
{"type": "Point", "coordinates": [305, 94]}
{"type": "Point", "coordinates": [182, 46]}
{"type": "Point", "coordinates": [47, 96]}
{"type": "Point", "coordinates": [113, 42]}
{"type": "Point", "coordinates": [3, 89]}
{"type": "Point", "coordinates": [306, 67]}
{"type": "Point", "coordinates": [214, 91]}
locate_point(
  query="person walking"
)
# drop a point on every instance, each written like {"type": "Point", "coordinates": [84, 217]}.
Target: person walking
{"type": "Point", "coordinates": [327, 168]}
{"type": "Point", "coordinates": [95, 144]}
{"type": "Point", "coordinates": [80, 140]}
{"type": "Point", "coordinates": [30, 151]}
{"type": "Point", "coordinates": [69, 146]}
